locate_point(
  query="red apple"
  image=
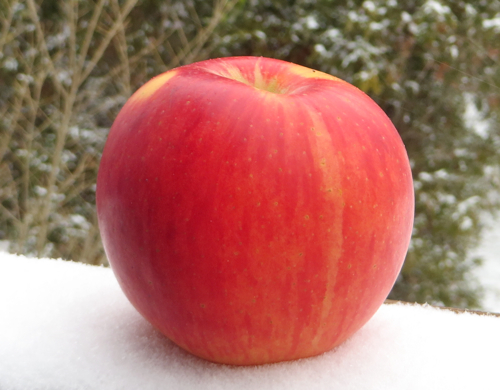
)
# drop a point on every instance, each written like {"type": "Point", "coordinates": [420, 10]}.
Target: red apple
{"type": "Point", "coordinates": [254, 210]}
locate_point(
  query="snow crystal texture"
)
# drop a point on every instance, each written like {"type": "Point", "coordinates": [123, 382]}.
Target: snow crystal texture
{"type": "Point", "coordinates": [68, 326]}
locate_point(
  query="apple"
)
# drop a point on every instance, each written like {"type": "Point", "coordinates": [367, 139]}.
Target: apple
{"type": "Point", "coordinates": [254, 210]}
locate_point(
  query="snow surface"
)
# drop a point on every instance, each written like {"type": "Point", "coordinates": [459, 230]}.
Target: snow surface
{"type": "Point", "coordinates": [68, 326]}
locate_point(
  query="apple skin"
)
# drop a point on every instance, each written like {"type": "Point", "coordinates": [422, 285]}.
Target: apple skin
{"type": "Point", "coordinates": [254, 210]}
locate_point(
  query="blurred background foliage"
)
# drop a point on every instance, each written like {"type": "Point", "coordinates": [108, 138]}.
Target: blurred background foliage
{"type": "Point", "coordinates": [67, 67]}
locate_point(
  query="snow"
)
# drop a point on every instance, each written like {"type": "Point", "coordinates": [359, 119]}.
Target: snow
{"type": "Point", "coordinates": [493, 23]}
{"type": "Point", "coordinates": [435, 6]}
{"type": "Point", "coordinates": [66, 325]}
{"type": "Point", "coordinates": [474, 119]}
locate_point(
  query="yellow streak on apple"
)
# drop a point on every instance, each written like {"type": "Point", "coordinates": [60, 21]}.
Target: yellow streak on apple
{"type": "Point", "coordinates": [234, 73]}
{"type": "Point", "coordinates": [152, 86]}
{"type": "Point", "coordinates": [329, 165]}
{"type": "Point", "coordinates": [312, 74]}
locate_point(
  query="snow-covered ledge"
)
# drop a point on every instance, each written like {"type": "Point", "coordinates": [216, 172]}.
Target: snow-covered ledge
{"type": "Point", "coordinates": [68, 326]}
